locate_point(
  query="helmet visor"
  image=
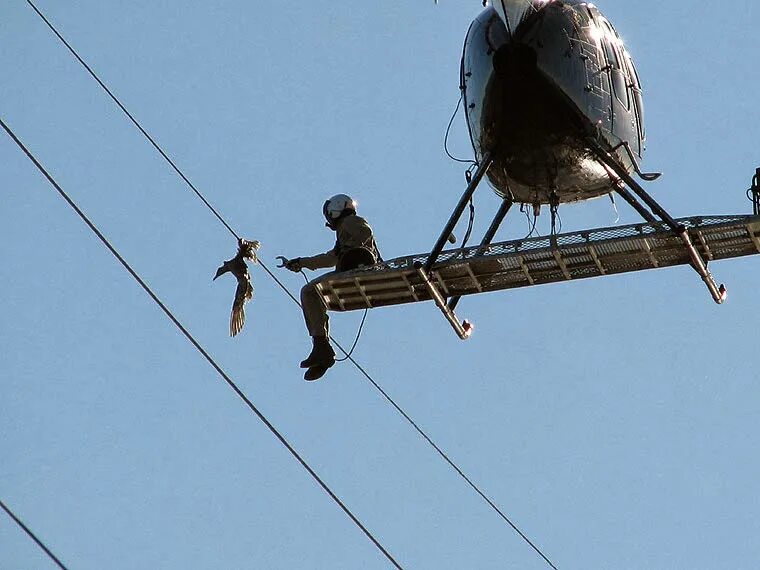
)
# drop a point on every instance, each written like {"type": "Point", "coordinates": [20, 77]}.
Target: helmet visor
{"type": "Point", "coordinates": [325, 212]}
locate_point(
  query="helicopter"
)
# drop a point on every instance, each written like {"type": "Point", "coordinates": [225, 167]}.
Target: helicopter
{"type": "Point", "coordinates": [555, 114]}
{"type": "Point", "coordinates": [538, 78]}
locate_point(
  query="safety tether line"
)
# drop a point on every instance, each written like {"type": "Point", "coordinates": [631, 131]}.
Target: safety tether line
{"type": "Point", "coordinates": [296, 301]}
{"type": "Point", "coordinates": [198, 346]}
{"type": "Point", "coordinates": [26, 529]}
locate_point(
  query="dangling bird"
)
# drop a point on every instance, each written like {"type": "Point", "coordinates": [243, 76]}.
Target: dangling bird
{"type": "Point", "coordinates": [244, 291]}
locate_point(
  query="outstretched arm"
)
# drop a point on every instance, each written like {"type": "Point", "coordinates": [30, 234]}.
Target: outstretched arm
{"type": "Point", "coordinates": [321, 261]}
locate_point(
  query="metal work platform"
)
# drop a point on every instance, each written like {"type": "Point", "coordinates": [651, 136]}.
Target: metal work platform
{"type": "Point", "coordinates": [536, 261]}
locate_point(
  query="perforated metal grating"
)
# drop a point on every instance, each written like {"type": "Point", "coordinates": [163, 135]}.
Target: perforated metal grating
{"type": "Point", "coordinates": [536, 261]}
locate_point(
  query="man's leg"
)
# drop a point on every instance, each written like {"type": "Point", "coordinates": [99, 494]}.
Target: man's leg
{"type": "Point", "coordinates": [322, 355]}
{"type": "Point", "coordinates": [314, 310]}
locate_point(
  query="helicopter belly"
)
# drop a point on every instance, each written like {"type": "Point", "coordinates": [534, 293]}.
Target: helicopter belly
{"type": "Point", "coordinates": [533, 95]}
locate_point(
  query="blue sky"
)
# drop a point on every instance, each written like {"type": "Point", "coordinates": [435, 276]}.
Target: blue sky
{"type": "Point", "coordinates": [615, 420]}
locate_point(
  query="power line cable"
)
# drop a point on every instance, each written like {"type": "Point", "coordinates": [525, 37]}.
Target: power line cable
{"type": "Point", "coordinates": [200, 348]}
{"type": "Point", "coordinates": [425, 436]}
{"type": "Point", "coordinates": [293, 298]}
{"type": "Point", "coordinates": [134, 121]}
{"type": "Point", "coordinates": [26, 529]}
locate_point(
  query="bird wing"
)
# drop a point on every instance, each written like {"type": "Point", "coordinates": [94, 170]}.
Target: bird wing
{"type": "Point", "coordinates": [243, 293]}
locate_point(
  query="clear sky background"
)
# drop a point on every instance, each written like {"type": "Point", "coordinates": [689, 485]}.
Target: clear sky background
{"type": "Point", "coordinates": [615, 420]}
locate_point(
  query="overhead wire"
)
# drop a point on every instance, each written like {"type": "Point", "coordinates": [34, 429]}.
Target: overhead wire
{"type": "Point", "coordinates": [33, 536]}
{"type": "Point", "coordinates": [158, 148]}
{"type": "Point", "coordinates": [285, 289]}
{"type": "Point", "coordinates": [134, 121]}
{"type": "Point", "coordinates": [199, 347]}
{"type": "Point", "coordinates": [429, 440]}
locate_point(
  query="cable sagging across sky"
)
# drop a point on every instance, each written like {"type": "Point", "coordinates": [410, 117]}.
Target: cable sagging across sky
{"type": "Point", "coordinates": [28, 531]}
{"type": "Point", "coordinates": [282, 286]}
{"type": "Point", "coordinates": [198, 346]}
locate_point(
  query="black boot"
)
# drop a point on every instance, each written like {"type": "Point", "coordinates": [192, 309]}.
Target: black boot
{"type": "Point", "coordinates": [321, 355]}
{"type": "Point", "coordinates": [316, 372]}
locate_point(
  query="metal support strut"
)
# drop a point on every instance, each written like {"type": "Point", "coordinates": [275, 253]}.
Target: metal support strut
{"type": "Point", "coordinates": [503, 210]}
{"type": "Point", "coordinates": [464, 329]}
{"type": "Point", "coordinates": [483, 167]}
{"type": "Point", "coordinates": [718, 293]}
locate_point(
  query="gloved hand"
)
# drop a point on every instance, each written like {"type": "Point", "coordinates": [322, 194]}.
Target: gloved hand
{"type": "Point", "coordinates": [294, 264]}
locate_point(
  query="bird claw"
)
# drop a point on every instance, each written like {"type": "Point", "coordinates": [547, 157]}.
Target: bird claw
{"type": "Point", "coordinates": [247, 249]}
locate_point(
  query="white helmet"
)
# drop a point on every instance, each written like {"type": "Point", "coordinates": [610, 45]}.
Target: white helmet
{"type": "Point", "coordinates": [337, 207]}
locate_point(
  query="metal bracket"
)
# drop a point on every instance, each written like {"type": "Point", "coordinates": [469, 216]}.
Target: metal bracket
{"type": "Point", "coordinates": [647, 176]}
{"type": "Point", "coordinates": [718, 292]}
{"type": "Point", "coordinates": [463, 329]}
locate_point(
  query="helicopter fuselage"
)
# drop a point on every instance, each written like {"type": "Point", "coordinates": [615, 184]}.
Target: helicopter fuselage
{"type": "Point", "coordinates": [536, 83]}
